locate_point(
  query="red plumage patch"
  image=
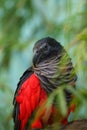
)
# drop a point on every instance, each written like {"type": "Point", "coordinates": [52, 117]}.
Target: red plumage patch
{"type": "Point", "coordinates": [30, 96]}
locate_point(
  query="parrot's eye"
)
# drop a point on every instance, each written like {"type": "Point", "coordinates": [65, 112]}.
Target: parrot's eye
{"type": "Point", "coordinates": [46, 47]}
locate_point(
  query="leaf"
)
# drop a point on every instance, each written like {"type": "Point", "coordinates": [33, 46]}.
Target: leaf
{"type": "Point", "coordinates": [62, 102]}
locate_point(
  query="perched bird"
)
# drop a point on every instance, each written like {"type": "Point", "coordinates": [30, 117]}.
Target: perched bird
{"type": "Point", "coordinates": [51, 68]}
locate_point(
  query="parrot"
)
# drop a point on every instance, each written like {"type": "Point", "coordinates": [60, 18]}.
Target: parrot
{"type": "Point", "coordinates": [51, 68]}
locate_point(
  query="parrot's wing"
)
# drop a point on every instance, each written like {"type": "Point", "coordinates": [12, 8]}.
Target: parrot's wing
{"type": "Point", "coordinates": [23, 78]}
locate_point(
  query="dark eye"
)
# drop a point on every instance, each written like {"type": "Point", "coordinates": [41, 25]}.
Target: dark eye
{"type": "Point", "coordinates": [46, 47]}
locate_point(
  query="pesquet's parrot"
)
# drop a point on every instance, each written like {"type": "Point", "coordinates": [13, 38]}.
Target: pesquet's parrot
{"type": "Point", "coordinates": [51, 68]}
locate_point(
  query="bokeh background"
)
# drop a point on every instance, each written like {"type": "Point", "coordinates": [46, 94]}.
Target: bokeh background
{"type": "Point", "coordinates": [22, 23]}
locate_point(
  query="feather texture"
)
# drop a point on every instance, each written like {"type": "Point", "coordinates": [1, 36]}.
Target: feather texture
{"type": "Point", "coordinates": [54, 68]}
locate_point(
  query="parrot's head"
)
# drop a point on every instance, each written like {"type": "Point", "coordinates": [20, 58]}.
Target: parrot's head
{"type": "Point", "coordinates": [44, 49]}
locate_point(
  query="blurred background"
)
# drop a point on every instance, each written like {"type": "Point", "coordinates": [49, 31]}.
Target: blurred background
{"type": "Point", "coordinates": [22, 23]}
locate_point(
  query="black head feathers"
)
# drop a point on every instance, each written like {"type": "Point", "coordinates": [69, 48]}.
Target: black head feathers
{"type": "Point", "coordinates": [48, 40]}
{"type": "Point", "coordinates": [46, 48]}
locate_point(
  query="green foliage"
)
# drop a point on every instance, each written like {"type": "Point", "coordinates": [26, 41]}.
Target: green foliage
{"type": "Point", "coordinates": [22, 23]}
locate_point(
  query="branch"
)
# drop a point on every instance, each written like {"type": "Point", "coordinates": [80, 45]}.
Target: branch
{"type": "Point", "coordinates": [76, 125]}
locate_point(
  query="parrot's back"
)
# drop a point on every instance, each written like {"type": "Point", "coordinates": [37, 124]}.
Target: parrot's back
{"type": "Point", "coordinates": [28, 97]}
{"type": "Point", "coordinates": [23, 78]}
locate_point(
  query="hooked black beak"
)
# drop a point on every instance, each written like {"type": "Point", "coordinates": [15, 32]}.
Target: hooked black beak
{"type": "Point", "coordinates": [35, 59]}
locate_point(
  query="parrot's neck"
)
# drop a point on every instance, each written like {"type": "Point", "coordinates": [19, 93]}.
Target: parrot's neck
{"type": "Point", "coordinates": [55, 71]}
